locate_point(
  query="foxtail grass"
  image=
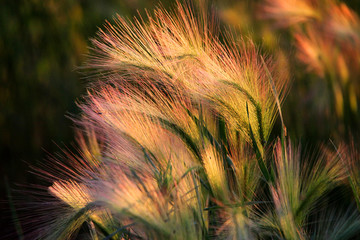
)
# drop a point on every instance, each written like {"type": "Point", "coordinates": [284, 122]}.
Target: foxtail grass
{"type": "Point", "coordinates": [174, 141]}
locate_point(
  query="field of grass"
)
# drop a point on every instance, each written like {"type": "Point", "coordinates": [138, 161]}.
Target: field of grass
{"type": "Point", "coordinates": [210, 120]}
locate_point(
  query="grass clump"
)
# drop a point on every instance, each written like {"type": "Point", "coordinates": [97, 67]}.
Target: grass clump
{"type": "Point", "coordinates": [174, 141]}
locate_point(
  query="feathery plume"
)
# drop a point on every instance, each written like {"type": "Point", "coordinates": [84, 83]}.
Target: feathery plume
{"type": "Point", "coordinates": [299, 185]}
{"type": "Point", "coordinates": [286, 13]}
{"type": "Point", "coordinates": [176, 112]}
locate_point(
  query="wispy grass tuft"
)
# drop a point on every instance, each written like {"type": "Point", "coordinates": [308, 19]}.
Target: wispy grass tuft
{"type": "Point", "coordinates": [174, 139]}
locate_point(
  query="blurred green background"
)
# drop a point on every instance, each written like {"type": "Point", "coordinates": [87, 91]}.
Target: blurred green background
{"type": "Point", "coordinates": [43, 42]}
